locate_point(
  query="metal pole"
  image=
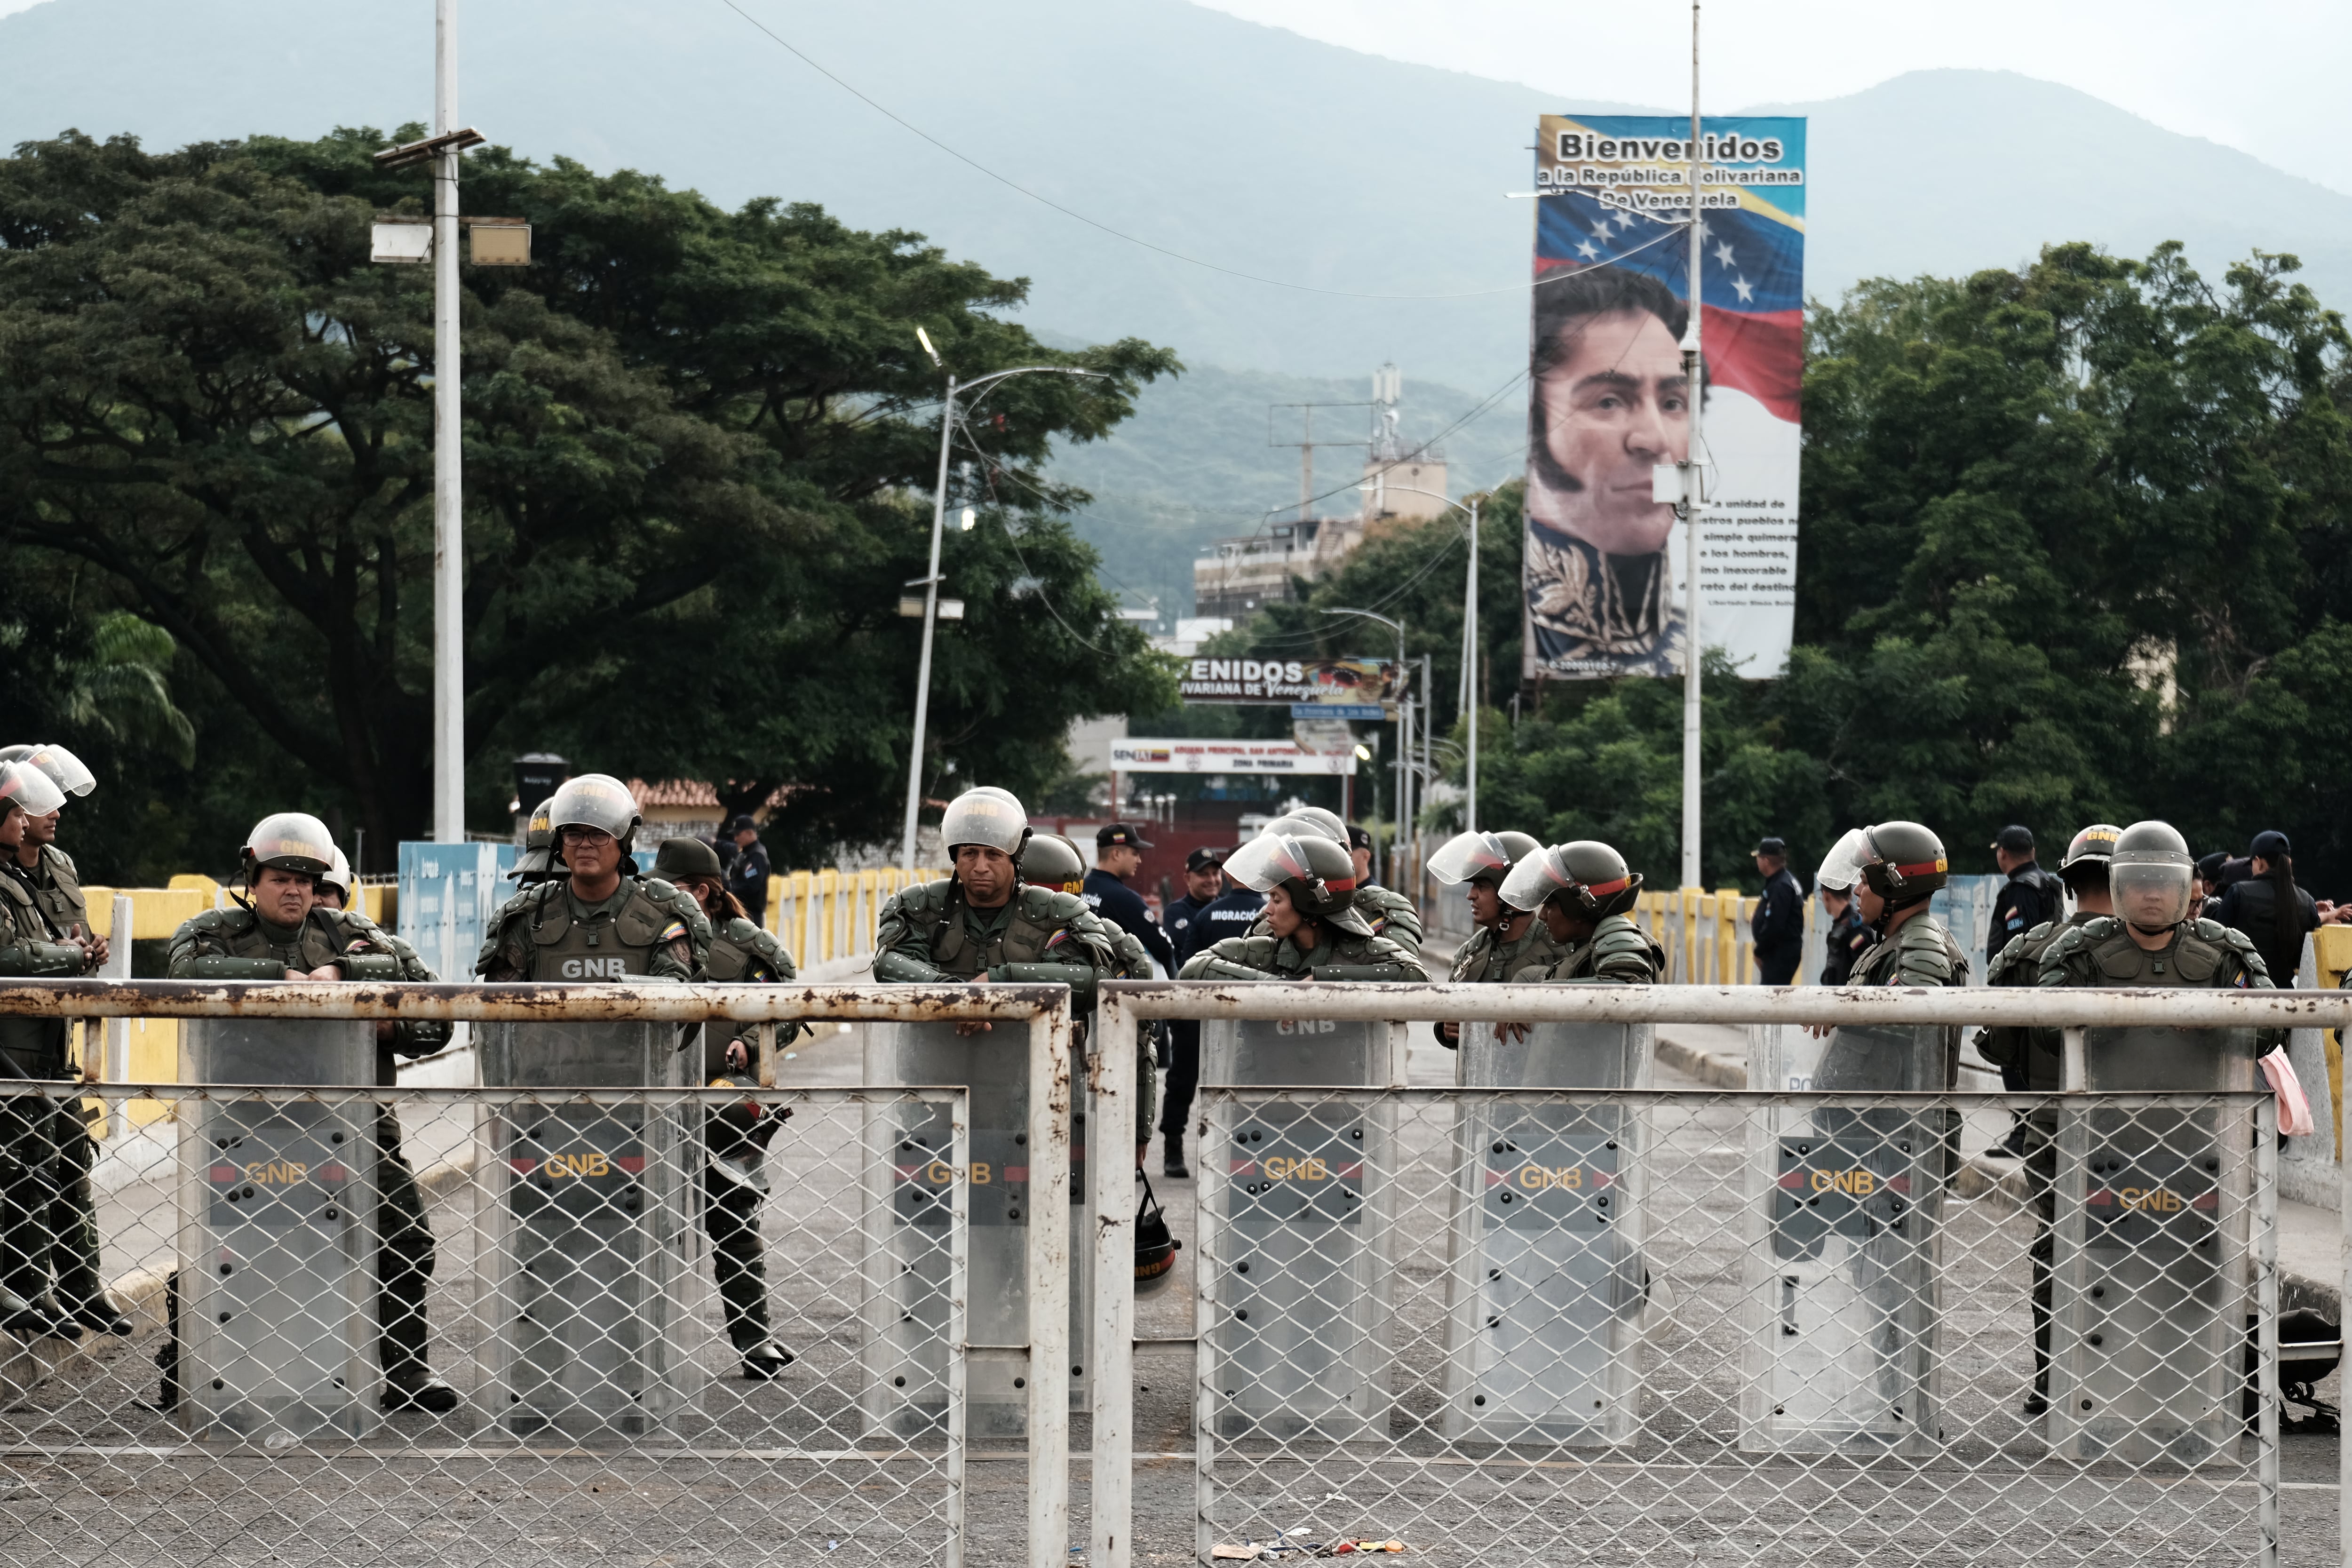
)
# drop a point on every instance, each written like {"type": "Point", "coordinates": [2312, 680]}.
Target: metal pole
{"type": "Point", "coordinates": [1470, 633]}
{"type": "Point", "coordinates": [449, 456]}
{"type": "Point", "coordinates": [1693, 498]}
{"type": "Point", "coordinates": [930, 622]}
{"type": "Point", "coordinates": [1428, 724]}
{"type": "Point", "coordinates": [1404, 744]}
{"type": "Point", "coordinates": [1049, 1283]}
{"type": "Point", "coordinates": [1110, 1075]}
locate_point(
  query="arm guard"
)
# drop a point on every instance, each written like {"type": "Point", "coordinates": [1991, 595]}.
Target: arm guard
{"type": "Point", "coordinates": [31, 958]}
{"type": "Point", "coordinates": [893, 966]}
{"type": "Point", "coordinates": [220, 966]}
{"type": "Point", "coordinates": [1368, 972]}
{"type": "Point", "coordinates": [1214, 966]}
{"type": "Point", "coordinates": [1079, 977]}
{"type": "Point", "coordinates": [381, 966]}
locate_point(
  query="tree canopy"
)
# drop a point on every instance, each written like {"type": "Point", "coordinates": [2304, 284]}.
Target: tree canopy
{"type": "Point", "coordinates": [2075, 548]}
{"type": "Point", "coordinates": [699, 448]}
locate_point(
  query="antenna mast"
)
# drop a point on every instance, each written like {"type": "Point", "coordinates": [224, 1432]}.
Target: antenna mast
{"type": "Point", "coordinates": [1693, 498]}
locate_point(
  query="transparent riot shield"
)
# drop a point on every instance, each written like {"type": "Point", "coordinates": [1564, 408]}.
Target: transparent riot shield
{"type": "Point", "coordinates": [1548, 1281]}
{"type": "Point", "coordinates": [908, 1257]}
{"type": "Point", "coordinates": [1845, 1203]}
{"type": "Point", "coordinates": [2149, 1266]}
{"type": "Point", "coordinates": [277, 1232]}
{"type": "Point", "coordinates": [1294, 1194]}
{"type": "Point", "coordinates": [592, 1272]}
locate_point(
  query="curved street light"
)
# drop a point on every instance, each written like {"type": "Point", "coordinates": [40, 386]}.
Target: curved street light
{"type": "Point", "coordinates": [930, 580]}
{"type": "Point", "coordinates": [1469, 638]}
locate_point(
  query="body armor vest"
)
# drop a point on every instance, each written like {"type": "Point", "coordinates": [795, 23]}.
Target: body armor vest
{"type": "Point", "coordinates": [2193, 959]}
{"type": "Point", "coordinates": [961, 952]}
{"type": "Point", "coordinates": [241, 933]}
{"type": "Point", "coordinates": [1486, 960]}
{"type": "Point", "coordinates": [602, 946]}
{"type": "Point", "coordinates": [58, 886]}
{"type": "Point", "coordinates": [740, 950]}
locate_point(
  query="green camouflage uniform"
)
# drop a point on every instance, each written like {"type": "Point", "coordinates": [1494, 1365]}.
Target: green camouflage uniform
{"type": "Point", "coordinates": [547, 934]}
{"type": "Point", "coordinates": [47, 1233]}
{"type": "Point", "coordinates": [1487, 959]}
{"type": "Point", "coordinates": [928, 934]}
{"type": "Point", "coordinates": [1342, 955]}
{"type": "Point", "coordinates": [735, 1141]}
{"type": "Point", "coordinates": [236, 943]}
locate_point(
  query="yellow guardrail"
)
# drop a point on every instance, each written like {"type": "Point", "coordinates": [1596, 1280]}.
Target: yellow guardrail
{"type": "Point", "coordinates": [820, 916]}
{"type": "Point", "coordinates": [1704, 934]}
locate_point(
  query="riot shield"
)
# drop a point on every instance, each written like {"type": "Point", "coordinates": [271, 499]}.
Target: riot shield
{"type": "Point", "coordinates": [1548, 1279]}
{"type": "Point", "coordinates": [593, 1249]}
{"type": "Point", "coordinates": [2150, 1268]}
{"type": "Point", "coordinates": [908, 1248]}
{"type": "Point", "coordinates": [1845, 1203]}
{"type": "Point", "coordinates": [277, 1233]}
{"type": "Point", "coordinates": [1294, 1199]}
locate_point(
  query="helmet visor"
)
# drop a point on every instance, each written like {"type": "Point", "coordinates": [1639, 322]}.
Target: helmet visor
{"type": "Point", "coordinates": [70, 772]}
{"type": "Point", "coordinates": [1842, 867]}
{"type": "Point", "coordinates": [593, 800]}
{"type": "Point", "coordinates": [24, 785]}
{"type": "Point", "coordinates": [1535, 878]}
{"type": "Point", "coordinates": [1267, 861]}
{"type": "Point", "coordinates": [1466, 855]}
{"type": "Point", "coordinates": [2150, 894]}
{"type": "Point", "coordinates": [983, 817]}
{"type": "Point", "coordinates": [293, 841]}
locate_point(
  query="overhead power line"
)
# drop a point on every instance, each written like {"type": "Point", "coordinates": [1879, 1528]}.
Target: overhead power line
{"type": "Point", "coordinates": [1073, 213]}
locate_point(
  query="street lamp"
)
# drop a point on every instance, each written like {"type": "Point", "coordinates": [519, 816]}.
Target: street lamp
{"type": "Point", "coordinates": [1404, 743]}
{"type": "Point", "coordinates": [930, 582]}
{"type": "Point", "coordinates": [1469, 638]}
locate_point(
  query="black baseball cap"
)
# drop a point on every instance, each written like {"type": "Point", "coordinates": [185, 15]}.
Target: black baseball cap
{"type": "Point", "coordinates": [2270, 844]}
{"type": "Point", "coordinates": [1772, 846]}
{"type": "Point", "coordinates": [1357, 838]}
{"type": "Point", "coordinates": [2017, 840]}
{"type": "Point", "coordinates": [1204, 859]}
{"type": "Point", "coordinates": [1120, 833]}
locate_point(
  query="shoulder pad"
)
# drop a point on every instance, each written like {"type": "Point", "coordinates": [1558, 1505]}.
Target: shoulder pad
{"type": "Point", "coordinates": [214, 919]}
{"type": "Point", "coordinates": [2214, 930]}
{"type": "Point", "coordinates": [516, 903]}
{"type": "Point", "coordinates": [52, 852]}
{"type": "Point", "coordinates": [2072, 940]}
{"type": "Point", "coordinates": [1051, 903]}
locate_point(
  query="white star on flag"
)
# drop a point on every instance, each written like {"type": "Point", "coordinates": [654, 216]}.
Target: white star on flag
{"type": "Point", "coordinates": [1723, 254]}
{"type": "Point", "coordinates": [1588, 251]}
{"type": "Point", "coordinates": [1602, 231]}
{"type": "Point", "coordinates": [1744, 289]}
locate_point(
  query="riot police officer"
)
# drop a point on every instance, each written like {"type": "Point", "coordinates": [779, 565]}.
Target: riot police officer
{"type": "Point", "coordinates": [595, 919]}
{"type": "Point", "coordinates": [735, 1140]}
{"type": "Point", "coordinates": [1314, 930]}
{"type": "Point", "coordinates": [48, 873]}
{"type": "Point", "coordinates": [1506, 939]}
{"type": "Point", "coordinates": [983, 925]}
{"type": "Point", "coordinates": [1582, 891]}
{"type": "Point", "coordinates": [2028, 1058]}
{"type": "Point", "coordinates": [34, 1210]}
{"type": "Point", "coordinates": [2150, 935]}
{"type": "Point", "coordinates": [1388, 912]}
{"type": "Point", "coordinates": [281, 931]}
{"type": "Point", "coordinates": [1901, 865]}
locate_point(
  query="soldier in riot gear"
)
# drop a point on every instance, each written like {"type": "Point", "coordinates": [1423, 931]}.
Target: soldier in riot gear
{"type": "Point", "coordinates": [1314, 930]}
{"type": "Point", "coordinates": [2149, 932]}
{"type": "Point", "coordinates": [2029, 1057]}
{"type": "Point", "coordinates": [1052, 860]}
{"type": "Point", "coordinates": [983, 925]}
{"type": "Point", "coordinates": [1582, 891]}
{"type": "Point", "coordinates": [1507, 939]}
{"type": "Point", "coordinates": [735, 1140]}
{"type": "Point", "coordinates": [1388, 912]}
{"type": "Point", "coordinates": [594, 918]}
{"type": "Point", "coordinates": [281, 931]}
{"type": "Point", "coordinates": [44, 868]}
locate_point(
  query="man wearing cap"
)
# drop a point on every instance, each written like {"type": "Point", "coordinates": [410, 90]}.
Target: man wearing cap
{"type": "Point", "coordinates": [2030, 898]}
{"type": "Point", "coordinates": [1780, 922]}
{"type": "Point", "coordinates": [748, 870]}
{"type": "Point", "coordinates": [1119, 855]}
{"type": "Point", "coordinates": [1203, 878]}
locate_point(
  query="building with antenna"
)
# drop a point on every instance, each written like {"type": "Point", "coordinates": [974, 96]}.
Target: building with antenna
{"type": "Point", "coordinates": [1234, 578]}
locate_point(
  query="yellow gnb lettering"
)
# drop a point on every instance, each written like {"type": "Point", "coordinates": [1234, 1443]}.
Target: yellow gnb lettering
{"type": "Point", "coordinates": [1854, 1183]}
{"type": "Point", "coordinates": [939, 1172]}
{"type": "Point", "coordinates": [2155, 1200]}
{"type": "Point", "coordinates": [277, 1173]}
{"type": "Point", "coordinates": [982, 1174]}
{"type": "Point", "coordinates": [1536, 1178]}
{"type": "Point", "coordinates": [590, 1164]}
{"type": "Point", "coordinates": [1311, 1169]}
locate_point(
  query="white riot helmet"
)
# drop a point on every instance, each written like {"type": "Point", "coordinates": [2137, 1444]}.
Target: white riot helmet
{"type": "Point", "coordinates": [68, 771]}
{"type": "Point", "coordinates": [1317, 874]}
{"type": "Point", "coordinates": [292, 841]}
{"type": "Point", "coordinates": [2149, 876]}
{"type": "Point", "coordinates": [987, 815]}
{"type": "Point", "coordinates": [339, 876]}
{"type": "Point", "coordinates": [593, 800]}
{"type": "Point", "coordinates": [25, 788]}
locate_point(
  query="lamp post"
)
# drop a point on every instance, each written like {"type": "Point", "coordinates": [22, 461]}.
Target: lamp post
{"type": "Point", "coordinates": [930, 580]}
{"type": "Point", "coordinates": [1405, 743]}
{"type": "Point", "coordinates": [1469, 640]}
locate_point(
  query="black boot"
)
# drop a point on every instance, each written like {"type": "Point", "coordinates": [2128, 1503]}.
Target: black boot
{"type": "Point", "coordinates": [419, 1390]}
{"type": "Point", "coordinates": [764, 1361]}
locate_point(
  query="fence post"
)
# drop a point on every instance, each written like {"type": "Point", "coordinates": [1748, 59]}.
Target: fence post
{"type": "Point", "coordinates": [1110, 1074]}
{"type": "Point", "coordinates": [1049, 1283]}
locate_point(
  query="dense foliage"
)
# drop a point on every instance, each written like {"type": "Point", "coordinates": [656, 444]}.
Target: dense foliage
{"type": "Point", "coordinates": [700, 451]}
{"type": "Point", "coordinates": [2075, 548]}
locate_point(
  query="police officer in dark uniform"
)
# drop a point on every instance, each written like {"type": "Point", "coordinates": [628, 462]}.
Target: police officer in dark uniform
{"type": "Point", "coordinates": [2031, 897]}
{"type": "Point", "coordinates": [1204, 880]}
{"type": "Point", "coordinates": [1233, 912]}
{"type": "Point", "coordinates": [1119, 855]}
{"type": "Point", "coordinates": [747, 869]}
{"type": "Point", "coordinates": [281, 931]}
{"type": "Point", "coordinates": [735, 1140]}
{"type": "Point", "coordinates": [1779, 926]}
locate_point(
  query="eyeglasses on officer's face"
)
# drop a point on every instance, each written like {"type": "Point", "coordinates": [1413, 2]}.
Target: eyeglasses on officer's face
{"type": "Point", "coordinates": [586, 835]}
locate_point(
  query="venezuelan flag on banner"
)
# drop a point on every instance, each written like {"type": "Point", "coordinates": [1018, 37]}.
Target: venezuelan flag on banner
{"type": "Point", "coordinates": [1613, 269]}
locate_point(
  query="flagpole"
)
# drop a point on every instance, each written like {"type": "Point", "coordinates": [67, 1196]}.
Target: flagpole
{"type": "Point", "coordinates": [1692, 496]}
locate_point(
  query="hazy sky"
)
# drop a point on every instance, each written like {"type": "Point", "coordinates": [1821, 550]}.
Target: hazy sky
{"type": "Point", "coordinates": [2263, 76]}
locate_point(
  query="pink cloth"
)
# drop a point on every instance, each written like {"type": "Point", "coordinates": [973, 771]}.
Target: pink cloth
{"type": "Point", "coordinates": [2293, 1110]}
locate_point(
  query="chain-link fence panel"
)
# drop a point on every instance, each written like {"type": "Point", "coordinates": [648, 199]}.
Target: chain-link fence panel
{"type": "Point", "coordinates": [1635, 1326]}
{"type": "Point", "coordinates": [530, 1324]}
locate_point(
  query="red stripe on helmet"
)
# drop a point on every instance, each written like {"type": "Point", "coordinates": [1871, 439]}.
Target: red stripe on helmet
{"type": "Point", "coordinates": [1923, 867]}
{"type": "Point", "coordinates": [1618, 886]}
{"type": "Point", "coordinates": [1341, 884]}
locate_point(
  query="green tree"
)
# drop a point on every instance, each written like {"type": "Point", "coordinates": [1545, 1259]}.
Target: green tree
{"type": "Point", "coordinates": [698, 450]}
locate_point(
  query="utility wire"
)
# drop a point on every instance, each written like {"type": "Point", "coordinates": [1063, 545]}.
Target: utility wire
{"type": "Point", "coordinates": [1091, 223]}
